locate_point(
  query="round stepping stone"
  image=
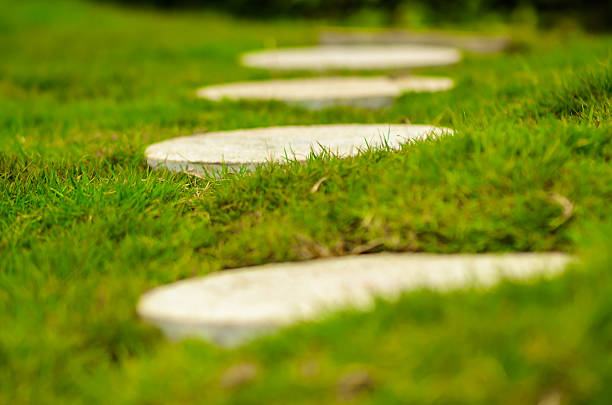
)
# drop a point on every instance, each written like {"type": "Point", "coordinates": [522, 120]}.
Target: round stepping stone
{"type": "Point", "coordinates": [232, 306]}
{"type": "Point", "coordinates": [370, 92]}
{"type": "Point", "coordinates": [250, 147]}
{"type": "Point", "coordinates": [357, 57]}
{"type": "Point", "coordinates": [472, 43]}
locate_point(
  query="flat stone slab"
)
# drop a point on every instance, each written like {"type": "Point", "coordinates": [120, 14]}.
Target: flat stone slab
{"type": "Point", "coordinates": [250, 147]}
{"type": "Point", "coordinates": [232, 306]}
{"type": "Point", "coordinates": [357, 57]}
{"type": "Point", "coordinates": [372, 92]}
{"type": "Point", "coordinates": [472, 43]}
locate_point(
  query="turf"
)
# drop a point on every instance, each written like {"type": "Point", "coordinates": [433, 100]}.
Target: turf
{"type": "Point", "coordinates": [86, 227]}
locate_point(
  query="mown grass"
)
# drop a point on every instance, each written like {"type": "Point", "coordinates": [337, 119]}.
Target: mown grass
{"type": "Point", "coordinates": [86, 227]}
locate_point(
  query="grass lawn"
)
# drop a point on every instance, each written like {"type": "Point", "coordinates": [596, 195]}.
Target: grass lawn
{"type": "Point", "coordinates": [86, 227]}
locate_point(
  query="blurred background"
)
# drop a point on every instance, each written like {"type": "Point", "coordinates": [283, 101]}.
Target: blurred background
{"type": "Point", "coordinates": [591, 14]}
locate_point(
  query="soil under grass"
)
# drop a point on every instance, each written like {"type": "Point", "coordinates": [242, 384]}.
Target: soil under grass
{"type": "Point", "coordinates": [86, 227]}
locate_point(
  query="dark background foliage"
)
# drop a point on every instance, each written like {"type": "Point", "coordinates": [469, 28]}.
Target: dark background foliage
{"type": "Point", "coordinates": [592, 13]}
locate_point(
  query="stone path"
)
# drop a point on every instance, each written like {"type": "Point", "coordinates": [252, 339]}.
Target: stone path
{"type": "Point", "coordinates": [233, 306]}
{"type": "Point", "coordinates": [357, 57]}
{"type": "Point", "coordinates": [369, 92]}
{"type": "Point", "coordinates": [472, 43]}
{"type": "Point", "coordinates": [250, 147]}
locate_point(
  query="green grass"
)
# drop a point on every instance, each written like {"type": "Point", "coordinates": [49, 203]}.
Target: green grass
{"type": "Point", "coordinates": [86, 227]}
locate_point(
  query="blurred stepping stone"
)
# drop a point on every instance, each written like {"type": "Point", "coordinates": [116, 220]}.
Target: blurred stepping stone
{"type": "Point", "coordinates": [232, 306]}
{"type": "Point", "coordinates": [357, 57]}
{"type": "Point", "coordinates": [250, 147]}
{"type": "Point", "coordinates": [369, 92]}
{"type": "Point", "coordinates": [472, 43]}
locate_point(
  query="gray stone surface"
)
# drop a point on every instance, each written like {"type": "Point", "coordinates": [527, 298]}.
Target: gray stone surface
{"type": "Point", "coordinates": [233, 306]}
{"type": "Point", "coordinates": [472, 43]}
{"type": "Point", "coordinates": [357, 57]}
{"type": "Point", "coordinates": [371, 92]}
{"type": "Point", "coordinates": [250, 147]}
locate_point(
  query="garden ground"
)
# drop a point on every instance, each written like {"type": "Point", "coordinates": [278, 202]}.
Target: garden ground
{"type": "Point", "coordinates": [86, 227]}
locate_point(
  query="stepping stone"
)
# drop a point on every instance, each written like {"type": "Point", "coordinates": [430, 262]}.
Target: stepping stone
{"type": "Point", "coordinates": [472, 43]}
{"type": "Point", "coordinates": [366, 57]}
{"type": "Point", "coordinates": [233, 306]}
{"type": "Point", "coordinates": [250, 147]}
{"type": "Point", "coordinates": [370, 92]}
